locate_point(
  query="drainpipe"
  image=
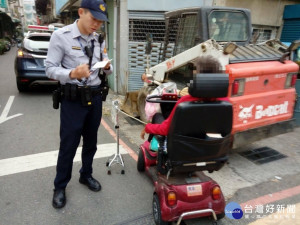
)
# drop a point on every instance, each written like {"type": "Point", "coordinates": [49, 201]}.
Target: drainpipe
{"type": "Point", "coordinates": [279, 20]}
{"type": "Point", "coordinates": [116, 5]}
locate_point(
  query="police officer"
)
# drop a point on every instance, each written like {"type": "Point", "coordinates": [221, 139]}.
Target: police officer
{"type": "Point", "coordinates": [70, 51]}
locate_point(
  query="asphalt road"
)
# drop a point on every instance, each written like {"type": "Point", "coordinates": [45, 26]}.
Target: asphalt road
{"type": "Point", "coordinates": [29, 140]}
{"type": "Point", "coordinates": [25, 197]}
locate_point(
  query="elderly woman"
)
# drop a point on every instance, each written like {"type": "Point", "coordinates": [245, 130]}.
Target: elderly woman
{"type": "Point", "coordinates": [205, 64]}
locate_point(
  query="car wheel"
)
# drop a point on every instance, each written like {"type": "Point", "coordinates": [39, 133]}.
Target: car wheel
{"type": "Point", "coordinates": [157, 211]}
{"type": "Point", "coordinates": [141, 162]}
{"type": "Point", "coordinates": [22, 87]}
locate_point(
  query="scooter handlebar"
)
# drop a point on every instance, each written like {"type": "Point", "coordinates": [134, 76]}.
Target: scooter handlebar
{"type": "Point", "coordinates": [157, 99]}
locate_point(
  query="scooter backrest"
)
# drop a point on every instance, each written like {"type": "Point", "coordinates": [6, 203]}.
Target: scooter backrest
{"type": "Point", "coordinates": [209, 85]}
{"type": "Point", "coordinates": [188, 138]}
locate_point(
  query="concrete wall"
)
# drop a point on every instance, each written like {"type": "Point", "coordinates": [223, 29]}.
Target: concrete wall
{"type": "Point", "coordinates": [110, 41]}
{"type": "Point", "coordinates": [122, 71]}
{"type": "Point", "coordinates": [264, 12]}
{"type": "Point", "coordinates": [165, 5]}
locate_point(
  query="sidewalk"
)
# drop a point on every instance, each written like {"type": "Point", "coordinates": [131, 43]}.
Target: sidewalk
{"type": "Point", "coordinates": [239, 172]}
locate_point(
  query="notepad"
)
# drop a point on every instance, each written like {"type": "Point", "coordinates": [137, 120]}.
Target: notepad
{"type": "Point", "coordinates": [101, 64]}
{"type": "Point", "coordinates": [214, 135]}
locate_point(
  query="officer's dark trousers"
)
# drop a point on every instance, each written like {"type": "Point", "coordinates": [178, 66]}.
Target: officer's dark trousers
{"type": "Point", "coordinates": [77, 121]}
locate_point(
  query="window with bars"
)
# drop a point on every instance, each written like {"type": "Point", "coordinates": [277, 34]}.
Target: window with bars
{"type": "Point", "coordinates": [261, 35]}
{"type": "Point", "coordinates": [138, 60]}
{"type": "Point", "coordinates": [186, 33]}
{"type": "Point", "coordinates": [138, 28]}
{"type": "Point", "coordinates": [181, 30]}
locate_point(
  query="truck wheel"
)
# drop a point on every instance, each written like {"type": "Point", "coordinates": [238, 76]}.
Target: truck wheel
{"type": "Point", "coordinates": [141, 162]}
{"type": "Point", "coordinates": [157, 211]}
{"type": "Point", "coordinates": [144, 91]}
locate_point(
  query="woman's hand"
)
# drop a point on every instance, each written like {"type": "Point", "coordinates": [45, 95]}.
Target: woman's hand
{"type": "Point", "coordinates": [143, 132]}
{"type": "Point", "coordinates": [144, 77]}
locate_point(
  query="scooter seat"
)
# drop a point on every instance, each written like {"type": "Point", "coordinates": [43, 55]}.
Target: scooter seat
{"type": "Point", "coordinates": [189, 134]}
{"type": "Point", "coordinates": [190, 145]}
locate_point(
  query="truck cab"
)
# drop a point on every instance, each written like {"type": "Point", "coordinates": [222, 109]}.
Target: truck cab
{"type": "Point", "coordinates": [188, 27]}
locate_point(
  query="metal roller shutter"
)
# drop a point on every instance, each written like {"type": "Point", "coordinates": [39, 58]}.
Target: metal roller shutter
{"type": "Point", "coordinates": [141, 23]}
{"type": "Point", "coordinates": [291, 30]}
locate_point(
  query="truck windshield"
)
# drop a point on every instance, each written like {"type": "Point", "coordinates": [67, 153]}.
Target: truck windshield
{"type": "Point", "coordinates": [228, 26]}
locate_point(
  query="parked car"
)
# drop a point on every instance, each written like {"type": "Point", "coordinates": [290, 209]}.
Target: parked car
{"type": "Point", "coordinates": [30, 61]}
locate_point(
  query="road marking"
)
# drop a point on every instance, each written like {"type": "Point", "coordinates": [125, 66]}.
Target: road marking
{"type": "Point", "coordinates": [5, 112]}
{"type": "Point", "coordinates": [263, 200]}
{"type": "Point", "coordinates": [131, 152]}
{"type": "Point", "coordinates": [282, 218]}
{"type": "Point", "coordinates": [47, 159]}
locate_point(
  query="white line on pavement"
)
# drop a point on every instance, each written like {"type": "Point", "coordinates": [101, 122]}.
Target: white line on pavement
{"type": "Point", "coordinates": [46, 159]}
{"type": "Point", "coordinates": [3, 116]}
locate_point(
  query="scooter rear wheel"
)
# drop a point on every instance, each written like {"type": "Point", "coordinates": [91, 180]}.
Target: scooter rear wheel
{"type": "Point", "coordinates": [220, 216]}
{"type": "Point", "coordinates": [141, 162]}
{"type": "Point", "coordinates": [157, 211]}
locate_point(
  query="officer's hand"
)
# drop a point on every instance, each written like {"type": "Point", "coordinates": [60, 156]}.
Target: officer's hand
{"type": "Point", "coordinates": [80, 71]}
{"type": "Point", "coordinates": [107, 66]}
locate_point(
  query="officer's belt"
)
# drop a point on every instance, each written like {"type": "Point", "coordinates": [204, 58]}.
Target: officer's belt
{"type": "Point", "coordinates": [95, 90]}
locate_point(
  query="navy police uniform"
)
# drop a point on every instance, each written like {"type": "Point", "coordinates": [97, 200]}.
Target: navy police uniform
{"type": "Point", "coordinates": [66, 52]}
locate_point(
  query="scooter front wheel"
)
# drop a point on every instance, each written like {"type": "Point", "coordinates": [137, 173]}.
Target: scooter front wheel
{"type": "Point", "coordinates": [141, 162]}
{"type": "Point", "coordinates": [157, 211]}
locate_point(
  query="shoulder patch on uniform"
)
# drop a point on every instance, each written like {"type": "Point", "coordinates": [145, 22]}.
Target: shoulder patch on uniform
{"type": "Point", "coordinates": [104, 51]}
{"type": "Point", "coordinates": [76, 48]}
{"type": "Point", "coordinates": [66, 29]}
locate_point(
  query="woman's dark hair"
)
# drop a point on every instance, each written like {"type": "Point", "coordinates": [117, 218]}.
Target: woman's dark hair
{"type": "Point", "coordinates": [208, 64]}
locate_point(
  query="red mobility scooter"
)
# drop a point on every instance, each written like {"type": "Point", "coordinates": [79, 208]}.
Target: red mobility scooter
{"type": "Point", "coordinates": [199, 139]}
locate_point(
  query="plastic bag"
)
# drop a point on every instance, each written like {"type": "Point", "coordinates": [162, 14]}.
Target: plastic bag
{"type": "Point", "coordinates": [152, 108]}
{"type": "Point", "coordinates": [168, 86]}
{"type": "Point", "coordinates": [154, 144]}
{"type": "Point", "coordinates": [114, 112]}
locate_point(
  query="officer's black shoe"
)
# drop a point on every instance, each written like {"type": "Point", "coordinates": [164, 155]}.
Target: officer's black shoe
{"type": "Point", "coordinates": [92, 183]}
{"type": "Point", "coordinates": [59, 198]}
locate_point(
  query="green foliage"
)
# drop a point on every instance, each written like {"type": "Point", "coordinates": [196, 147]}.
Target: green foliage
{"type": "Point", "coordinates": [8, 39]}
{"type": "Point", "coordinates": [2, 47]}
{"type": "Point", "coordinates": [5, 44]}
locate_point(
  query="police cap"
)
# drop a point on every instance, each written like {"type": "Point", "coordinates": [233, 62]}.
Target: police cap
{"type": "Point", "coordinates": [96, 7]}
